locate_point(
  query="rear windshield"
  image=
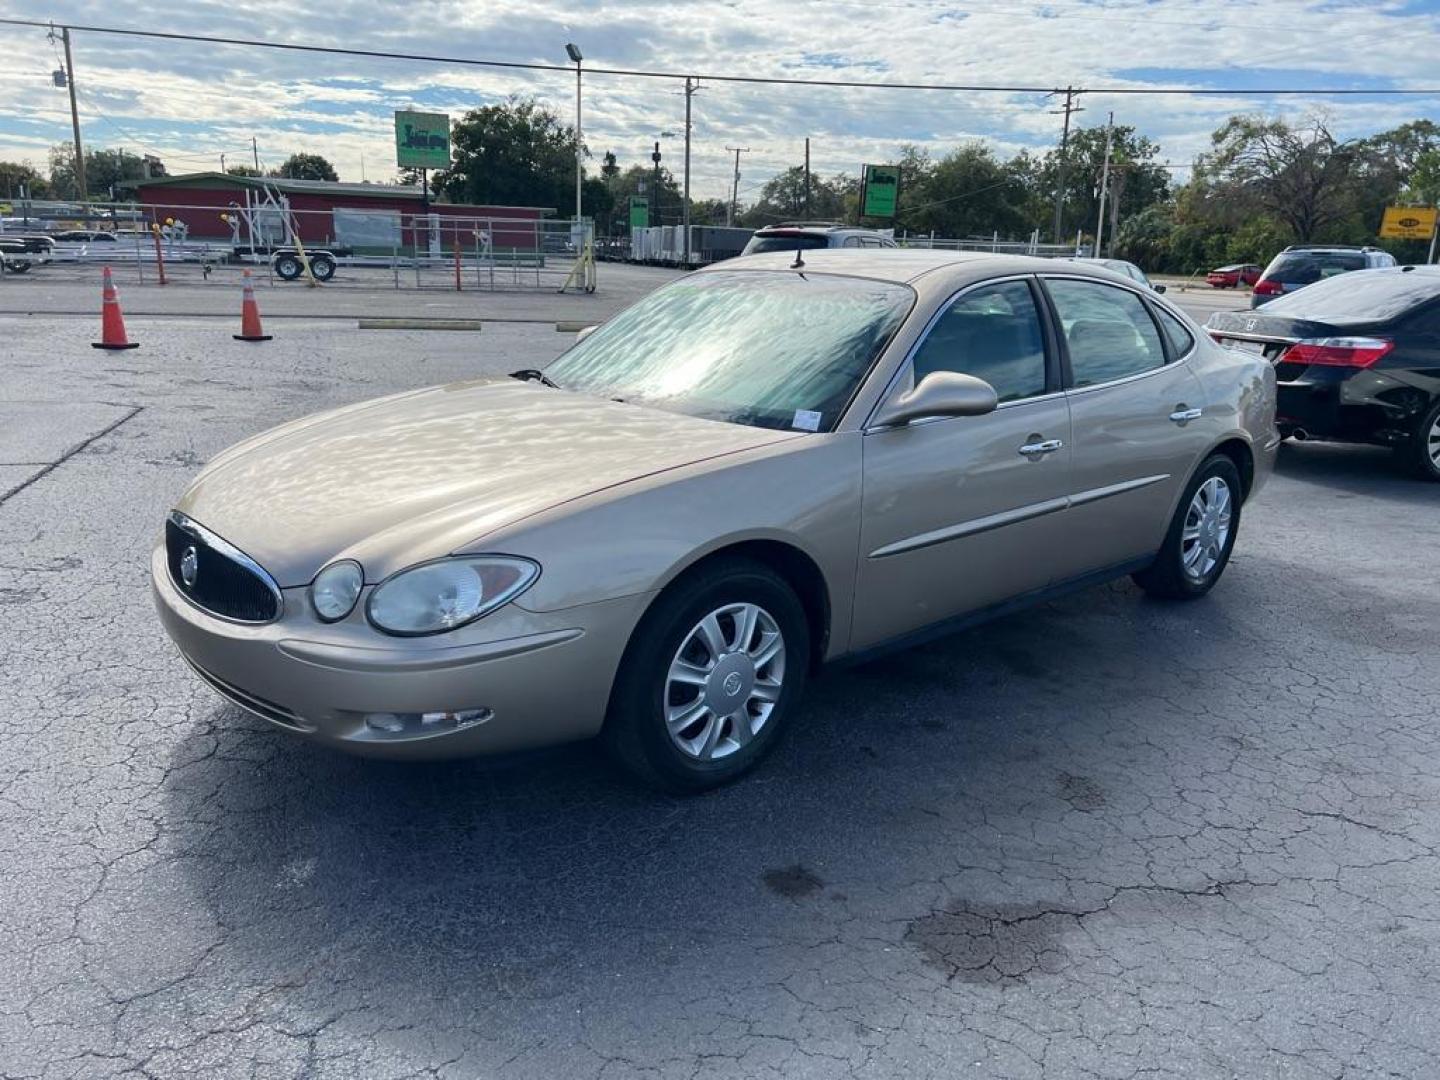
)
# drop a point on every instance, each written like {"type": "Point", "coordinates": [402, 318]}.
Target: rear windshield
{"type": "Point", "coordinates": [1369, 296]}
{"type": "Point", "coordinates": [758, 245]}
{"type": "Point", "coordinates": [1308, 267]}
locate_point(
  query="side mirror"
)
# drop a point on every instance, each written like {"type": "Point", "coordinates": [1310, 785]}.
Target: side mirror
{"type": "Point", "coordinates": [584, 332]}
{"type": "Point", "coordinates": [941, 393]}
{"type": "Point", "coordinates": [1158, 288]}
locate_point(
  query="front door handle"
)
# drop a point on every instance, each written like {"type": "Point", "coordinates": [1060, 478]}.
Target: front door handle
{"type": "Point", "coordinates": [1182, 415]}
{"type": "Point", "coordinates": [1035, 449]}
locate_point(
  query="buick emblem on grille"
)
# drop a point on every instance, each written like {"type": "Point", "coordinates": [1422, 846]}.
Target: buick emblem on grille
{"type": "Point", "coordinates": [189, 567]}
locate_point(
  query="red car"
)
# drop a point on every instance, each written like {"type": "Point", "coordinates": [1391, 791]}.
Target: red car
{"type": "Point", "coordinates": [1233, 277]}
{"type": "Point", "coordinates": [1230, 277]}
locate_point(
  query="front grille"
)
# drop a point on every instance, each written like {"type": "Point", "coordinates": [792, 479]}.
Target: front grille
{"type": "Point", "coordinates": [222, 582]}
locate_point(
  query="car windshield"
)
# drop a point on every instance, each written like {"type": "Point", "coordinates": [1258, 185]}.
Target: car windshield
{"type": "Point", "coordinates": [1308, 267]}
{"type": "Point", "coordinates": [1368, 296]}
{"type": "Point", "coordinates": [766, 348]}
{"type": "Point", "coordinates": [758, 245]}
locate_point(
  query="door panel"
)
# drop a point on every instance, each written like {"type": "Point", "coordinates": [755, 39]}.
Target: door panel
{"type": "Point", "coordinates": [1130, 462]}
{"type": "Point", "coordinates": [1136, 419]}
{"type": "Point", "coordinates": [955, 518]}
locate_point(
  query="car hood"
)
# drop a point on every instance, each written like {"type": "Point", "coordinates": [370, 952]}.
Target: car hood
{"type": "Point", "coordinates": [407, 478]}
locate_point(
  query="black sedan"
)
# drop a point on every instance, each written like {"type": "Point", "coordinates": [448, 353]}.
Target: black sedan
{"type": "Point", "coordinates": [1357, 358]}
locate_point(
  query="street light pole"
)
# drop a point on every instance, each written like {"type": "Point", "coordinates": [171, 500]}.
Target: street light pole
{"type": "Point", "coordinates": [1104, 186]}
{"type": "Point", "coordinates": [574, 53]}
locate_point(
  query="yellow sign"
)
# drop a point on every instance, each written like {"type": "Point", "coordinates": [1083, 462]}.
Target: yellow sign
{"type": "Point", "coordinates": [1409, 222]}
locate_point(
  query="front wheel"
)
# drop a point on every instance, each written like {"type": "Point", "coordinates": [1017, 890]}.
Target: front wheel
{"type": "Point", "coordinates": [710, 678]}
{"type": "Point", "coordinates": [1201, 536]}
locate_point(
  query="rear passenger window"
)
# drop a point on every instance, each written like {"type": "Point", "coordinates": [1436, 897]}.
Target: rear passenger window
{"type": "Point", "coordinates": [1108, 332]}
{"type": "Point", "coordinates": [1181, 340]}
{"type": "Point", "coordinates": [993, 333]}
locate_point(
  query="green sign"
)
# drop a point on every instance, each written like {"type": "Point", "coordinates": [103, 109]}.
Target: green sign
{"type": "Point", "coordinates": [422, 140]}
{"type": "Point", "coordinates": [882, 191]}
{"type": "Point", "coordinates": [639, 212]}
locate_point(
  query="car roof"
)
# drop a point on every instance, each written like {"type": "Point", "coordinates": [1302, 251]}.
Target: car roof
{"type": "Point", "coordinates": [814, 226]}
{"type": "Point", "coordinates": [905, 265]}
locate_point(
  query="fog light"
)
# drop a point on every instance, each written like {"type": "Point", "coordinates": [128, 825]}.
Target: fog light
{"type": "Point", "coordinates": [385, 722]}
{"type": "Point", "coordinates": [429, 723]}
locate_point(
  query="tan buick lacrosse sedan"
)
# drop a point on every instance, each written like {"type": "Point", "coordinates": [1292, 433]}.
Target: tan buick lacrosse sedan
{"type": "Point", "coordinates": [762, 467]}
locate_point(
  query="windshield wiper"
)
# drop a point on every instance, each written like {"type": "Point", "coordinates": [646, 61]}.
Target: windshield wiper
{"type": "Point", "coordinates": [531, 374]}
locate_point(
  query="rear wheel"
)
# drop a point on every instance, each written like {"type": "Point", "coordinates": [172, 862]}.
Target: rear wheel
{"type": "Point", "coordinates": [710, 678]}
{"type": "Point", "coordinates": [288, 267]}
{"type": "Point", "coordinates": [323, 267]}
{"type": "Point", "coordinates": [1201, 536]}
{"type": "Point", "coordinates": [1422, 455]}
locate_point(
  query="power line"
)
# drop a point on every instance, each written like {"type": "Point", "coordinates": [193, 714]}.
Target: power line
{"type": "Point", "coordinates": [769, 80]}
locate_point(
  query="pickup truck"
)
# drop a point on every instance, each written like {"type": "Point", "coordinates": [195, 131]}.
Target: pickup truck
{"type": "Point", "coordinates": [19, 252]}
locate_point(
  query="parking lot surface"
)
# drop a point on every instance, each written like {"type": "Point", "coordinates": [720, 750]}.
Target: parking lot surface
{"type": "Point", "coordinates": [1109, 837]}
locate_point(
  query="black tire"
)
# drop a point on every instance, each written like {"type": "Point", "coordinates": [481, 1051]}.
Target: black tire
{"type": "Point", "coordinates": [1167, 576]}
{"type": "Point", "coordinates": [1415, 455]}
{"type": "Point", "coordinates": [18, 266]}
{"type": "Point", "coordinates": [323, 267]}
{"type": "Point", "coordinates": [288, 267]}
{"type": "Point", "coordinates": [636, 733]}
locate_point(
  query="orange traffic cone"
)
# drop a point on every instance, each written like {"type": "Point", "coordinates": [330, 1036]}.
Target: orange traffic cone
{"type": "Point", "coordinates": [112, 319]}
{"type": "Point", "coordinates": [250, 329]}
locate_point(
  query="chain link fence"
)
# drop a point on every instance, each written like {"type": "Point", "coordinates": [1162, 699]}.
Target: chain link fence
{"type": "Point", "coordinates": [339, 247]}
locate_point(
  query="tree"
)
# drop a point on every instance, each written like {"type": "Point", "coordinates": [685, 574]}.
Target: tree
{"type": "Point", "coordinates": [610, 168]}
{"type": "Point", "coordinates": [1300, 174]}
{"type": "Point", "coordinates": [306, 167]}
{"type": "Point", "coordinates": [242, 170]}
{"type": "Point", "coordinates": [783, 199]}
{"type": "Point", "coordinates": [640, 180]}
{"type": "Point", "coordinates": [17, 175]}
{"type": "Point", "coordinates": [105, 171]}
{"type": "Point", "coordinates": [514, 154]}
{"type": "Point", "coordinates": [967, 193]}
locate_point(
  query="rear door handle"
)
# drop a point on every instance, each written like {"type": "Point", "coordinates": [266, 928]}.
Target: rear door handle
{"type": "Point", "coordinates": [1035, 449]}
{"type": "Point", "coordinates": [1183, 415]}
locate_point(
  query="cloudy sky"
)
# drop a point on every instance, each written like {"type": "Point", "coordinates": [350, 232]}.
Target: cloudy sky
{"type": "Point", "coordinates": [191, 102]}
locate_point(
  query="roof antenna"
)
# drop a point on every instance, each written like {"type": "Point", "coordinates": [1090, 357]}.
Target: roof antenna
{"type": "Point", "coordinates": [799, 263]}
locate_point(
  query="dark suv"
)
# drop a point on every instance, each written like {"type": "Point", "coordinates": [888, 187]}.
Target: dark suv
{"type": "Point", "coordinates": [1356, 360]}
{"type": "Point", "coordinates": [1304, 264]}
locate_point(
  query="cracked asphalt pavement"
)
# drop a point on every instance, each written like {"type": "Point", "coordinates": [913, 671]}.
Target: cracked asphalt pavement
{"type": "Point", "coordinates": [1109, 837]}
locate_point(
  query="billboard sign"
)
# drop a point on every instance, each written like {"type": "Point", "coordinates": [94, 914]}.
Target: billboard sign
{"type": "Point", "coordinates": [1409, 222]}
{"type": "Point", "coordinates": [881, 194]}
{"type": "Point", "coordinates": [639, 212]}
{"type": "Point", "coordinates": [422, 140]}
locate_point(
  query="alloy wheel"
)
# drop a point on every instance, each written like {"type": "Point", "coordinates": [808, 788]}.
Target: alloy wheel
{"type": "Point", "coordinates": [1432, 444]}
{"type": "Point", "coordinates": [724, 681]}
{"type": "Point", "coordinates": [1206, 529]}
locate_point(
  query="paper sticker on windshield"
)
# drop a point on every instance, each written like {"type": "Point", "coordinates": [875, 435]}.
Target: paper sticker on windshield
{"type": "Point", "coordinates": [805, 420]}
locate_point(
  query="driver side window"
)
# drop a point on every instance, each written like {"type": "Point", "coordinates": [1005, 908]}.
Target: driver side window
{"type": "Point", "coordinates": [994, 333]}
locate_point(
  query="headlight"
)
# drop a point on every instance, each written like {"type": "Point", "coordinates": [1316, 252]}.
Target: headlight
{"type": "Point", "coordinates": [441, 595]}
{"type": "Point", "coordinates": [335, 589]}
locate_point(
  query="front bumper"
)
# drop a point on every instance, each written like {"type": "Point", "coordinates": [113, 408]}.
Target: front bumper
{"type": "Point", "coordinates": [518, 679]}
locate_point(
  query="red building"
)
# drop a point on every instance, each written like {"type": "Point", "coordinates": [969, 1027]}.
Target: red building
{"type": "Point", "coordinates": [376, 215]}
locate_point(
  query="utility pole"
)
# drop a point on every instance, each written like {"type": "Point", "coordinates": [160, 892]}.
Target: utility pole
{"type": "Point", "coordinates": [807, 177]}
{"type": "Point", "coordinates": [1104, 186]}
{"type": "Point", "coordinates": [255, 149]}
{"type": "Point", "coordinates": [222, 162]}
{"type": "Point", "coordinates": [691, 85]}
{"type": "Point", "coordinates": [74, 114]}
{"type": "Point", "coordinates": [1070, 107]}
{"type": "Point", "coordinates": [655, 157]}
{"type": "Point", "coordinates": [735, 188]}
